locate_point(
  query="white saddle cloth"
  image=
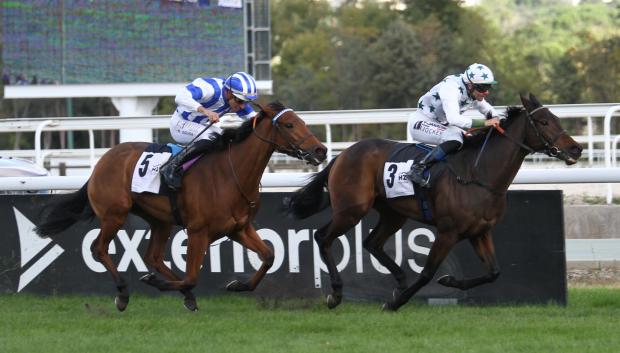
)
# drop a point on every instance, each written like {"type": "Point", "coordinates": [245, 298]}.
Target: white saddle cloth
{"type": "Point", "coordinates": [395, 179]}
{"type": "Point", "coordinates": [146, 172]}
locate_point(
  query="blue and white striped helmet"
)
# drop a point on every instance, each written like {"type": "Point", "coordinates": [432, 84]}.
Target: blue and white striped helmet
{"type": "Point", "coordinates": [242, 85]}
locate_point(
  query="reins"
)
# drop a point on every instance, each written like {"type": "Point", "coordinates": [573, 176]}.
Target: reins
{"type": "Point", "coordinates": [550, 149]}
{"type": "Point", "coordinates": [251, 203]}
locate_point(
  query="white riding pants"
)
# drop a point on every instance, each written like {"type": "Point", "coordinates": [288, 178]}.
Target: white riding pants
{"type": "Point", "coordinates": [428, 130]}
{"type": "Point", "coordinates": [184, 131]}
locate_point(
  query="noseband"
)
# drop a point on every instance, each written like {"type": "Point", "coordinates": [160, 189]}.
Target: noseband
{"type": "Point", "coordinates": [292, 149]}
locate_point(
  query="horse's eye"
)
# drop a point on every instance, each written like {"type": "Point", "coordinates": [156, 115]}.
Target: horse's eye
{"type": "Point", "coordinates": [544, 122]}
{"type": "Point", "coordinates": [288, 125]}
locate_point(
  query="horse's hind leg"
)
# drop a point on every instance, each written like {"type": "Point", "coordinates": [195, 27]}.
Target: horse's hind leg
{"type": "Point", "coordinates": [154, 257]}
{"type": "Point", "coordinates": [440, 249]}
{"type": "Point", "coordinates": [324, 238]}
{"type": "Point", "coordinates": [250, 239]}
{"type": "Point", "coordinates": [389, 223]}
{"type": "Point", "coordinates": [486, 251]}
{"type": "Point", "coordinates": [109, 226]}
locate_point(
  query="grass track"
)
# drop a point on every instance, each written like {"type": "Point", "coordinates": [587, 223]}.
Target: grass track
{"type": "Point", "coordinates": [590, 323]}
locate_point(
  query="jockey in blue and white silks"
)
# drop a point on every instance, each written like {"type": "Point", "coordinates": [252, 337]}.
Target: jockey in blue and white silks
{"type": "Point", "coordinates": [438, 119]}
{"type": "Point", "coordinates": [210, 94]}
{"type": "Point", "coordinates": [202, 102]}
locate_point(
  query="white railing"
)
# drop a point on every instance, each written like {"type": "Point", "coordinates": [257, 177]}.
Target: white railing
{"type": "Point", "coordinates": [324, 118]}
{"type": "Point", "coordinates": [276, 180]}
{"type": "Point", "coordinates": [608, 145]}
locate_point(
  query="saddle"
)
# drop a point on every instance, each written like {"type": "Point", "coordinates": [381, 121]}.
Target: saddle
{"type": "Point", "coordinates": [156, 148]}
{"type": "Point", "coordinates": [401, 157]}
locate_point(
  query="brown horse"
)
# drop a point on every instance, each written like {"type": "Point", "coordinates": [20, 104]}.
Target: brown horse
{"type": "Point", "coordinates": [219, 197]}
{"type": "Point", "coordinates": [466, 198]}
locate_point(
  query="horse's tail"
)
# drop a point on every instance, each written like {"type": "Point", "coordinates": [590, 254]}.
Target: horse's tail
{"type": "Point", "coordinates": [62, 211]}
{"type": "Point", "coordinates": [309, 199]}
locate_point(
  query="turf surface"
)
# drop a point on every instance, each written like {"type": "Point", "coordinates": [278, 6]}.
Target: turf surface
{"type": "Point", "coordinates": [232, 323]}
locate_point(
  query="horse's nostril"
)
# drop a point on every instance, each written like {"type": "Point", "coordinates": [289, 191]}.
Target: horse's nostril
{"type": "Point", "coordinates": [577, 149]}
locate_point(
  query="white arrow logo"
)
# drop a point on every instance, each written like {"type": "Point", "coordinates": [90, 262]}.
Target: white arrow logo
{"type": "Point", "coordinates": [30, 245]}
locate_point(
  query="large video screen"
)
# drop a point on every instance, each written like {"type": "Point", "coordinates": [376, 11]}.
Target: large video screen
{"type": "Point", "coordinates": [120, 41]}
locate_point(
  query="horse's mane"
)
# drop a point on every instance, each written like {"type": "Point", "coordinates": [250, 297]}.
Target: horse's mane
{"type": "Point", "coordinates": [235, 136]}
{"type": "Point", "coordinates": [478, 137]}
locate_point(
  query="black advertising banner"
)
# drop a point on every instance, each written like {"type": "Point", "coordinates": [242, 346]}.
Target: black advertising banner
{"type": "Point", "coordinates": [529, 244]}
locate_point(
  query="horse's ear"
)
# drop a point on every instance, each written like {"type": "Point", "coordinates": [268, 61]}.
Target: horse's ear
{"type": "Point", "coordinates": [534, 101]}
{"type": "Point", "coordinates": [527, 104]}
{"type": "Point", "coordinates": [523, 99]}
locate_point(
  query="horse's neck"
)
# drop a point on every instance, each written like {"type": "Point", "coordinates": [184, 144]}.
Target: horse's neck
{"type": "Point", "coordinates": [501, 158]}
{"type": "Point", "coordinates": [250, 157]}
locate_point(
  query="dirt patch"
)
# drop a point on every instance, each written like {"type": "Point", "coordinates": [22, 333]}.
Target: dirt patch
{"type": "Point", "coordinates": [608, 276]}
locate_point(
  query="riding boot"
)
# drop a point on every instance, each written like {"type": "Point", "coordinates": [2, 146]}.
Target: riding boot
{"type": "Point", "coordinates": [173, 170]}
{"type": "Point", "coordinates": [416, 174]}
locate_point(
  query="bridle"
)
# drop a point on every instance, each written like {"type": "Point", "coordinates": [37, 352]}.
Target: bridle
{"type": "Point", "coordinates": [550, 148]}
{"type": "Point", "coordinates": [292, 149]}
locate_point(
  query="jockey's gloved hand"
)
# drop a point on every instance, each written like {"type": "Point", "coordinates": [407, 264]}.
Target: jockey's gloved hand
{"type": "Point", "coordinates": [490, 116]}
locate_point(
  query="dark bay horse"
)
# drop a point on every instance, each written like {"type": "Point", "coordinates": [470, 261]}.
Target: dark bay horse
{"type": "Point", "coordinates": [466, 200]}
{"type": "Point", "coordinates": [219, 197]}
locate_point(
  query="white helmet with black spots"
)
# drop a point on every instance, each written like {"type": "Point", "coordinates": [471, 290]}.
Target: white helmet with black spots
{"type": "Point", "coordinates": [242, 85]}
{"type": "Point", "coordinates": [479, 74]}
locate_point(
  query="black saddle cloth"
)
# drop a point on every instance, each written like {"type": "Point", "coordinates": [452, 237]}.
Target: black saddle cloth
{"type": "Point", "coordinates": [403, 152]}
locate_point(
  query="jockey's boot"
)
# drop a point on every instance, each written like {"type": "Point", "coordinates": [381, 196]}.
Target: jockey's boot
{"type": "Point", "coordinates": [173, 171]}
{"type": "Point", "coordinates": [416, 174]}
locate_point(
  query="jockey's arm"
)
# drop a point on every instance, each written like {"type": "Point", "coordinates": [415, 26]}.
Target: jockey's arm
{"type": "Point", "coordinates": [247, 112]}
{"type": "Point", "coordinates": [486, 109]}
{"type": "Point", "coordinates": [189, 95]}
{"type": "Point", "coordinates": [492, 116]}
{"type": "Point", "coordinates": [450, 101]}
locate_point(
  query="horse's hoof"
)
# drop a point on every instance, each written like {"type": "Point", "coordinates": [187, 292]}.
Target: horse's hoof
{"type": "Point", "coordinates": [238, 286]}
{"type": "Point", "coordinates": [332, 301]}
{"type": "Point", "coordinates": [190, 304]}
{"type": "Point", "coordinates": [121, 302]}
{"type": "Point", "coordinates": [388, 307]}
{"type": "Point", "coordinates": [396, 293]}
{"type": "Point", "coordinates": [447, 280]}
{"type": "Point", "coordinates": [147, 278]}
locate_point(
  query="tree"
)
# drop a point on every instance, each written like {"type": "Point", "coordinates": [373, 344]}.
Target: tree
{"type": "Point", "coordinates": [290, 18]}
{"type": "Point", "coordinates": [304, 78]}
{"type": "Point", "coordinates": [399, 77]}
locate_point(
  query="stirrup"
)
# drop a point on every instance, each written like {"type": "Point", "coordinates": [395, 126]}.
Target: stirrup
{"type": "Point", "coordinates": [172, 177]}
{"type": "Point", "coordinates": [417, 176]}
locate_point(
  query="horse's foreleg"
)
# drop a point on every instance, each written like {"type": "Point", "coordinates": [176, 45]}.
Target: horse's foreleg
{"type": "Point", "coordinates": [154, 257]}
{"type": "Point", "coordinates": [250, 239]}
{"type": "Point", "coordinates": [486, 251]}
{"type": "Point", "coordinates": [99, 249]}
{"type": "Point", "coordinates": [388, 224]}
{"type": "Point", "coordinates": [440, 249]}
